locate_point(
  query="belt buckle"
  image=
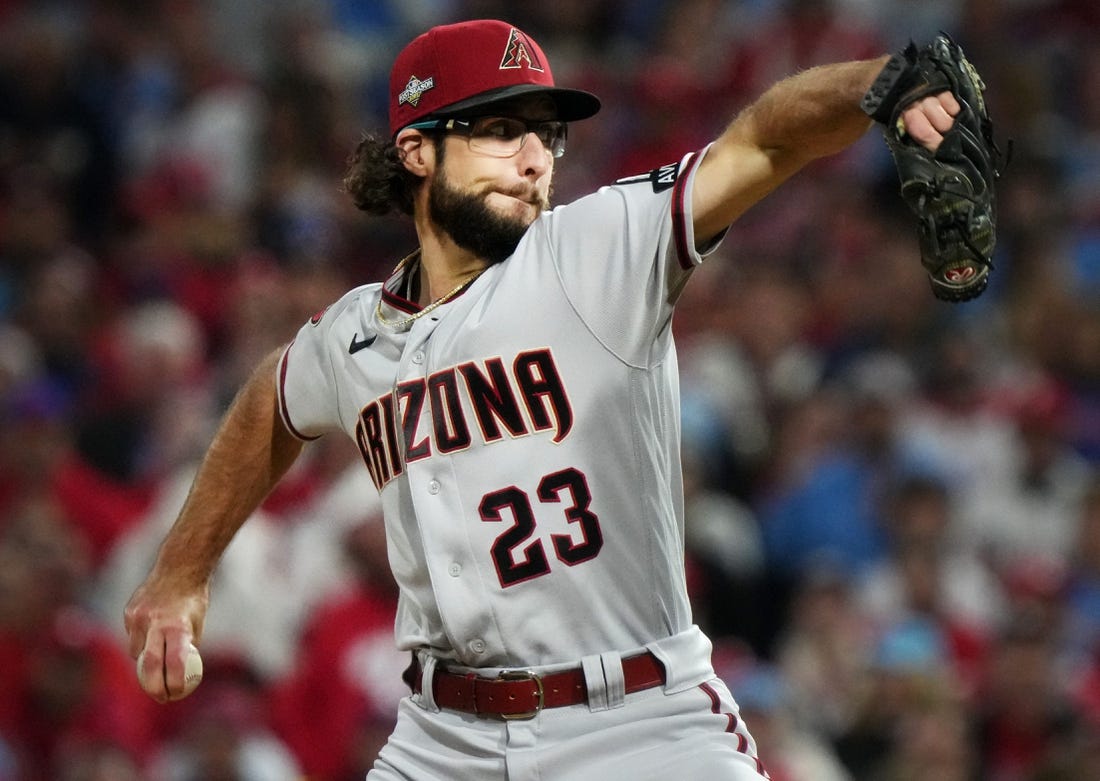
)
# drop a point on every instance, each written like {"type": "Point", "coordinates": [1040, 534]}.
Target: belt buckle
{"type": "Point", "coordinates": [524, 675]}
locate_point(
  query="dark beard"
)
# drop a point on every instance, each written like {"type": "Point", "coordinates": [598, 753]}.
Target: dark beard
{"type": "Point", "coordinates": [471, 223]}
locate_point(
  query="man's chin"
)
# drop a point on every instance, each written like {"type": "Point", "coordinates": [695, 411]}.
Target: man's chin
{"type": "Point", "coordinates": [489, 225]}
{"type": "Point", "coordinates": [492, 242]}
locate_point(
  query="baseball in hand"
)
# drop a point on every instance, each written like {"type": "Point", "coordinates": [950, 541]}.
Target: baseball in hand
{"type": "Point", "coordinates": [192, 671]}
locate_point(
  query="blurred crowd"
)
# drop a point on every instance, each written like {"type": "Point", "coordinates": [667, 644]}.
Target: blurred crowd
{"type": "Point", "coordinates": [893, 511]}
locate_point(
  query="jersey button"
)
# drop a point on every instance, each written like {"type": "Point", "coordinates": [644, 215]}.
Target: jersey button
{"type": "Point", "coordinates": [418, 356]}
{"type": "Point", "coordinates": [455, 569]}
{"type": "Point", "coordinates": [433, 487]}
{"type": "Point", "coordinates": [477, 646]}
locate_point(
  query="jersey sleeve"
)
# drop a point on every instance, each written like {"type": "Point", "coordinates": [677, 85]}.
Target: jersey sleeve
{"type": "Point", "coordinates": [305, 379]}
{"type": "Point", "coordinates": [624, 254]}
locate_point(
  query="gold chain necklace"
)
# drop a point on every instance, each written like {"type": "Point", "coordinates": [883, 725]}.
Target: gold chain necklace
{"type": "Point", "coordinates": [430, 307]}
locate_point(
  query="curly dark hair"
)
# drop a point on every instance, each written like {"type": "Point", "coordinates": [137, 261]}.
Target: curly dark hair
{"type": "Point", "coordinates": [376, 179]}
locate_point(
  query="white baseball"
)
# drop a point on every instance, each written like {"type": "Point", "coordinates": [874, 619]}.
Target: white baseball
{"type": "Point", "coordinates": [192, 671]}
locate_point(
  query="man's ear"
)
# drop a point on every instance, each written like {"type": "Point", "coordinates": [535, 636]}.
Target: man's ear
{"type": "Point", "coordinates": [417, 152]}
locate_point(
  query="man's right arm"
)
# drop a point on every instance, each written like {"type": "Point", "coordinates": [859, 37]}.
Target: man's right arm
{"type": "Point", "coordinates": [250, 453]}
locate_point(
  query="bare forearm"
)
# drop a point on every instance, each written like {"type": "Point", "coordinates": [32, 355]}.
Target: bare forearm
{"type": "Point", "coordinates": [806, 116]}
{"type": "Point", "coordinates": [812, 114]}
{"type": "Point", "coordinates": [250, 453]}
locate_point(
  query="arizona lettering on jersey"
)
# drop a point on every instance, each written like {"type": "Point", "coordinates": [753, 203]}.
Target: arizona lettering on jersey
{"type": "Point", "coordinates": [440, 414]}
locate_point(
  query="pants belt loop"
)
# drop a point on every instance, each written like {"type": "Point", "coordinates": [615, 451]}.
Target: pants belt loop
{"type": "Point", "coordinates": [594, 681]}
{"type": "Point", "coordinates": [614, 679]}
{"type": "Point", "coordinates": [427, 677]}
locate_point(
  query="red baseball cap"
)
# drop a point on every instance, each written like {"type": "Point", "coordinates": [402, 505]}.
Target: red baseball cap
{"type": "Point", "coordinates": [455, 69]}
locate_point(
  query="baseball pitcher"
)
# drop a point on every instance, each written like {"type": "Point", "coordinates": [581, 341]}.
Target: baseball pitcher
{"type": "Point", "coordinates": [512, 390]}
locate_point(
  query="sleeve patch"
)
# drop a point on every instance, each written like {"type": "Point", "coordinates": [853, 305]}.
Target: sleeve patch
{"type": "Point", "coordinates": [660, 178]}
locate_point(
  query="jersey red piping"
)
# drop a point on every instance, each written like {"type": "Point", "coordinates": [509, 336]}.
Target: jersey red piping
{"type": "Point", "coordinates": [679, 216]}
{"type": "Point", "coordinates": [403, 304]}
{"type": "Point", "coordinates": [399, 303]}
{"type": "Point", "coordinates": [281, 394]}
{"type": "Point", "coordinates": [731, 727]}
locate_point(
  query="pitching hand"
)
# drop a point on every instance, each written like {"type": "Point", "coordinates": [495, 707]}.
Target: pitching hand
{"type": "Point", "coordinates": [162, 621]}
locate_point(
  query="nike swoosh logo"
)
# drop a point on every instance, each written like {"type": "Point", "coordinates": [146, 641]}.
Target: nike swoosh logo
{"type": "Point", "coordinates": [358, 344]}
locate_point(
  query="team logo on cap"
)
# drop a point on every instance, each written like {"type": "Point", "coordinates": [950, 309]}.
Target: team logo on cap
{"type": "Point", "coordinates": [520, 52]}
{"type": "Point", "coordinates": [414, 90]}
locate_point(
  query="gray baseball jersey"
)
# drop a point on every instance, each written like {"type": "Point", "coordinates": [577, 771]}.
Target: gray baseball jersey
{"type": "Point", "coordinates": [524, 435]}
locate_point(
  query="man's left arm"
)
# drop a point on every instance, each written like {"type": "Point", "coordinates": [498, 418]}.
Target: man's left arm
{"type": "Point", "coordinates": [810, 115]}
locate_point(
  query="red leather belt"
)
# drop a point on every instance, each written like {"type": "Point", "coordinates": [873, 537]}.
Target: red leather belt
{"type": "Point", "coordinates": [521, 694]}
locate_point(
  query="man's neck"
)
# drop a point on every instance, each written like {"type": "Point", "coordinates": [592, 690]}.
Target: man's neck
{"type": "Point", "coordinates": [443, 266]}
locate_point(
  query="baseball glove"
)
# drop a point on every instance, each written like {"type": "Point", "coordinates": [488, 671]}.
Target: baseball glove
{"type": "Point", "coordinates": [951, 191]}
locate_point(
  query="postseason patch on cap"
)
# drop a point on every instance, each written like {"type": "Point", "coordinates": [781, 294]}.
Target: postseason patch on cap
{"type": "Point", "coordinates": [414, 90]}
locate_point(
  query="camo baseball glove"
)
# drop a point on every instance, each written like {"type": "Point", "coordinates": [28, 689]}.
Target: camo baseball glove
{"type": "Point", "coordinates": [951, 190]}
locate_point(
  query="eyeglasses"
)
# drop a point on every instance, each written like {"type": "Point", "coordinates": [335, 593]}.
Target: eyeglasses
{"type": "Point", "coordinates": [502, 136]}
